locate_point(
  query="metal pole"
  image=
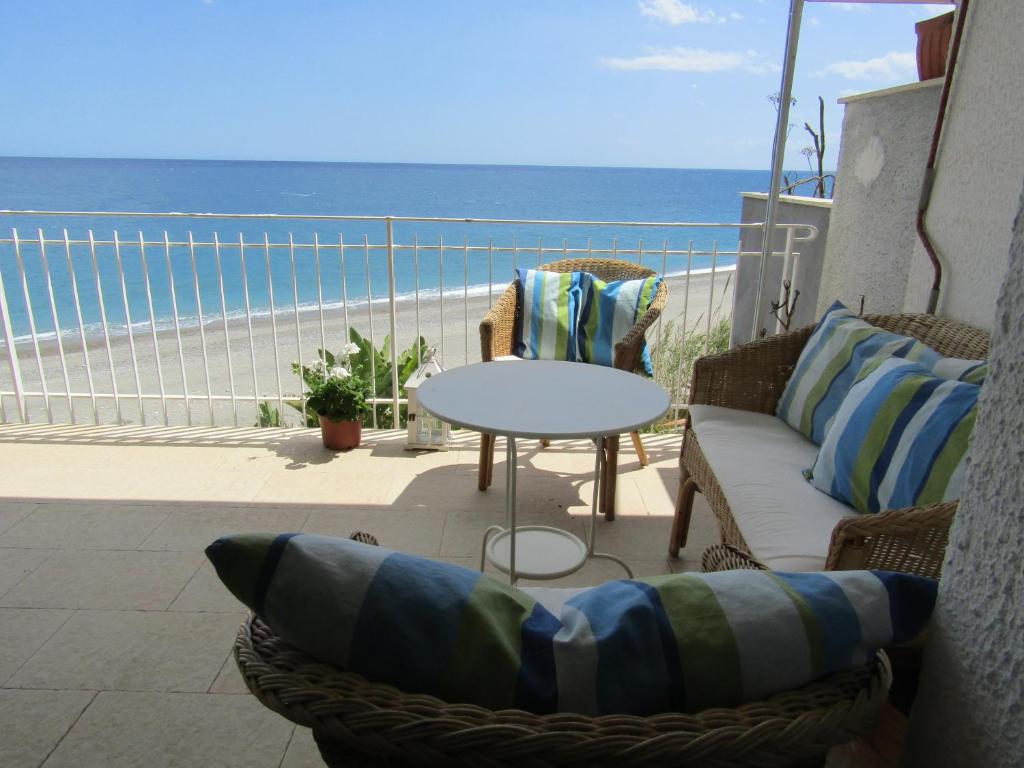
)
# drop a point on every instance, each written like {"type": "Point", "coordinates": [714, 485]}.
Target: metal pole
{"type": "Point", "coordinates": [796, 9]}
{"type": "Point", "coordinates": [393, 320]}
{"type": "Point", "coordinates": [12, 352]}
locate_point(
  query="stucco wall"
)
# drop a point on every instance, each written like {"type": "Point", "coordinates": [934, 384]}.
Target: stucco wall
{"type": "Point", "coordinates": [882, 156]}
{"type": "Point", "coordinates": [980, 166]}
{"type": "Point", "coordinates": [970, 706]}
{"type": "Point", "coordinates": [807, 275]}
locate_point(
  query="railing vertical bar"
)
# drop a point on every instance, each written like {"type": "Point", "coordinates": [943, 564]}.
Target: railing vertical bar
{"type": "Point", "coordinates": [12, 353]}
{"type": "Point", "coordinates": [344, 284]}
{"type": "Point", "coordinates": [664, 268]}
{"type": "Point", "coordinates": [640, 251]}
{"type": "Point", "coordinates": [56, 324]}
{"type": "Point", "coordinates": [615, 247]}
{"type": "Point", "coordinates": [465, 295]}
{"type": "Point", "coordinates": [298, 327]}
{"type": "Point", "coordinates": [711, 297]}
{"type": "Point", "coordinates": [440, 288]}
{"type": "Point", "coordinates": [177, 329]}
{"type": "Point", "coordinates": [540, 251]}
{"type": "Point", "coordinates": [319, 290]}
{"type": "Point", "coordinates": [81, 329]}
{"type": "Point", "coordinates": [686, 308]}
{"type": "Point", "coordinates": [152, 328]}
{"type": "Point", "coordinates": [103, 322]}
{"type": "Point", "coordinates": [248, 322]}
{"type": "Point", "coordinates": [227, 333]}
{"type": "Point", "coordinates": [202, 326]}
{"type": "Point", "coordinates": [490, 272]}
{"type": "Point", "coordinates": [393, 323]}
{"type": "Point", "coordinates": [416, 293]}
{"type": "Point", "coordinates": [273, 325]}
{"type": "Point", "coordinates": [32, 327]}
{"type": "Point", "coordinates": [515, 256]}
{"type": "Point", "coordinates": [369, 313]}
{"type": "Point", "coordinates": [565, 248]}
{"type": "Point", "coordinates": [128, 325]}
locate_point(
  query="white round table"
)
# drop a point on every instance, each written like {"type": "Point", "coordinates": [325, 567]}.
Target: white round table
{"type": "Point", "coordinates": [542, 399]}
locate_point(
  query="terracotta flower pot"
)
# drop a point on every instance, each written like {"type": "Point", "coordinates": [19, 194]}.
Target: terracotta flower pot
{"type": "Point", "coordinates": [340, 435]}
{"type": "Point", "coordinates": [933, 45]}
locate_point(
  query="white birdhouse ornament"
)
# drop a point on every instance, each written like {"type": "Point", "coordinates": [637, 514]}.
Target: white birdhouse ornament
{"type": "Point", "coordinates": [425, 431]}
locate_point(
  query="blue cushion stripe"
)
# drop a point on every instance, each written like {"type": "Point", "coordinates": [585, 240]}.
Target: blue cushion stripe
{"type": "Point", "coordinates": [412, 604]}
{"type": "Point", "coordinates": [537, 683]}
{"type": "Point", "coordinates": [911, 601]}
{"type": "Point", "coordinates": [837, 621]}
{"type": "Point", "coordinates": [266, 574]}
{"type": "Point", "coordinates": [669, 646]}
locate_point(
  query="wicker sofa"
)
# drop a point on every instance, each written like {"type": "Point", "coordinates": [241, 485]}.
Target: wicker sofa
{"type": "Point", "coordinates": [497, 337]}
{"type": "Point", "coordinates": [749, 467]}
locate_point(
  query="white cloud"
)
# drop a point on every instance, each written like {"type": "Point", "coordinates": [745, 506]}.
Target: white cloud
{"type": "Point", "coordinates": [892, 66]}
{"type": "Point", "coordinates": [675, 12]}
{"type": "Point", "coordinates": [678, 59]}
{"type": "Point", "coordinates": [851, 6]}
{"type": "Point", "coordinates": [930, 9]}
{"type": "Point", "coordinates": [814, 21]}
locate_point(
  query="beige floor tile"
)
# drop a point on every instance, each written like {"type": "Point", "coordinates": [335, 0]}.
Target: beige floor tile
{"type": "Point", "coordinates": [17, 564]}
{"type": "Point", "coordinates": [22, 632]}
{"type": "Point", "coordinates": [229, 679]}
{"type": "Point", "coordinates": [634, 536]}
{"type": "Point", "coordinates": [132, 650]}
{"type": "Point", "coordinates": [416, 532]}
{"type": "Point", "coordinates": [12, 512]}
{"type": "Point", "coordinates": [598, 571]}
{"type": "Point", "coordinates": [33, 722]}
{"type": "Point", "coordinates": [174, 729]}
{"type": "Point", "coordinates": [205, 592]}
{"type": "Point", "coordinates": [194, 530]}
{"type": "Point", "coordinates": [84, 525]}
{"type": "Point", "coordinates": [350, 488]}
{"type": "Point", "coordinates": [302, 751]}
{"type": "Point", "coordinates": [105, 579]}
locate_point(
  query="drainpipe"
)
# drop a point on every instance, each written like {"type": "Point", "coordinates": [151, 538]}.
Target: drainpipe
{"type": "Point", "coordinates": [929, 172]}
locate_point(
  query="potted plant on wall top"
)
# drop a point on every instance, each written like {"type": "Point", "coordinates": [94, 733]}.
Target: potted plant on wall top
{"type": "Point", "coordinates": [337, 397]}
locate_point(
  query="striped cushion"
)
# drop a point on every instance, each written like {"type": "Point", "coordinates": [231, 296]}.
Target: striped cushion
{"type": "Point", "coordinates": [609, 310]}
{"type": "Point", "coordinates": [843, 350]}
{"type": "Point", "coordinates": [898, 440]}
{"type": "Point", "coordinates": [683, 642]}
{"type": "Point", "coordinates": [549, 305]}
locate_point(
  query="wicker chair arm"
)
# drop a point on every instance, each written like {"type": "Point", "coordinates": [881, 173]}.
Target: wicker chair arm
{"type": "Point", "coordinates": [498, 327]}
{"type": "Point", "coordinates": [630, 347]}
{"type": "Point", "coordinates": [911, 540]}
{"type": "Point", "coordinates": [750, 377]}
{"type": "Point", "coordinates": [726, 557]}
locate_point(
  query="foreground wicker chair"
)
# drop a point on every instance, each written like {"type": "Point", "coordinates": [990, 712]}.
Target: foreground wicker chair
{"type": "Point", "coordinates": [497, 336]}
{"type": "Point", "coordinates": [752, 377]}
{"type": "Point", "coordinates": [356, 722]}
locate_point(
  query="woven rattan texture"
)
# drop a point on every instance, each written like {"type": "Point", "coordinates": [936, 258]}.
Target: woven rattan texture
{"type": "Point", "coordinates": [753, 376]}
{"type": "Point", "coordinates": [356, 722]}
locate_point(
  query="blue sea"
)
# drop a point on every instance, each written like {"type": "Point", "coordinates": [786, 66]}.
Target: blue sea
{"type": "Point", "coordinates": [367, 189]}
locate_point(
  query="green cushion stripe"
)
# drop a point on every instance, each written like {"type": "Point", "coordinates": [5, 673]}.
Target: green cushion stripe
{"type": "Point", "coordinates": [815, 642]}
{"type": "Point", "coordinates": [947, 461]}
{"type": "Point", "coordinates": [838, 362]}
{"type": "Point", "coordinates": [562, 336]}
{"type": "Point", "coordinates": [708, 654]}
{"type": "Point", "coordinates": [491, 629]}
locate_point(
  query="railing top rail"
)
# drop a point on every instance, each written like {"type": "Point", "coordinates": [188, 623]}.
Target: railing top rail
{"type": "Point", "coordinates": [435, 219]}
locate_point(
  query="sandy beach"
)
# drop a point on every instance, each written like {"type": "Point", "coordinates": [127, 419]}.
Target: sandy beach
{"type": "Point", "coordinates": [456, 337]}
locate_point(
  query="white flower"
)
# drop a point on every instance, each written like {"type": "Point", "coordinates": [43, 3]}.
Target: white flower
{"type": "Point", "coordinates": [351, 349]}
{"type": "Point", "coordinates": [338, 372]}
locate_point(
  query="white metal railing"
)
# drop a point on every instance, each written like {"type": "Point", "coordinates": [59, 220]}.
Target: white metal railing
{"type": "Point", "coordinates": [132, 323]}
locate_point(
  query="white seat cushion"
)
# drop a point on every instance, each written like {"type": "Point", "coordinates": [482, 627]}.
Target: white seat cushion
{"type": "Point", "coordinates": [758, 461]}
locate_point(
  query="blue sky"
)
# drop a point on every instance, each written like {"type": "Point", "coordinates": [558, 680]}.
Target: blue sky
{"type": "Point", "coordinates": [660, 83]}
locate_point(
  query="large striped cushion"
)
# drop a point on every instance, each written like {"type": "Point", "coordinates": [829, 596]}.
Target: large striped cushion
{"type": "Point", "coordinates": [609, 310]}
{"type": "Point", "coordinates": [898, 440]}
{"type": "Point", "coordinates": [670, 643]}
{"type": "Point", "coordinates": [843, 350]}
{"type": "Point", "coordinates": [549, 304]}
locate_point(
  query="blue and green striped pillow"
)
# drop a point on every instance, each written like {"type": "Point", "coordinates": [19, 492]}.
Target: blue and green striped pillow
{"type": "Point", "coordinates": [683, 642]}
{"type": "Point", "coordinates": [549, 306]}
{"type": "Point", "coordinates": [898, 440]}
{"type": "Point", "coordinates": [843, 350]}
{"type": "Point", "coordinates": [609, 310]}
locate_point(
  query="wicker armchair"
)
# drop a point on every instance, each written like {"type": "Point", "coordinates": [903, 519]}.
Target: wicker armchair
{"type": "Point", "coordinates": [359, 723]}
{"type": "Point", "coordinates": [752, 377]}
{"type": "Point", "coordinates": [497, 336]}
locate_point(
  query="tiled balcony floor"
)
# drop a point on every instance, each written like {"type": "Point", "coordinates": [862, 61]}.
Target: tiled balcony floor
{"type": "Point", "coordinates": [115, 634]}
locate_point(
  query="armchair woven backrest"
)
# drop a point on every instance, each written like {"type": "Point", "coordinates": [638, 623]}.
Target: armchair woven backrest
{"type": "Point", "coordinates": [947, 337]}
{"type": "Point", "coordinates": [497, 329]}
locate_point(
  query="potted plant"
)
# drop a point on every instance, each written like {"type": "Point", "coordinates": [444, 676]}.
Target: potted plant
{"type": "Point", "coordinates": [337, 397]}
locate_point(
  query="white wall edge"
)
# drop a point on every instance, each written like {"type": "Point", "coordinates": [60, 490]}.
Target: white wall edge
{"type": "Point", "coordinates": [795, 199]}
{"type": "Point", "coordinates": [935, 82]}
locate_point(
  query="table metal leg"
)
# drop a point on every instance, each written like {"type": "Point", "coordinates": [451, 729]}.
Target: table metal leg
{"type": "Point", "coordinates": [511, 466]}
